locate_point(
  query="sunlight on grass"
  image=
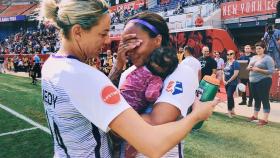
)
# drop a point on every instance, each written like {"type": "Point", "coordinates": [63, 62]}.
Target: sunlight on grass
{"type": "Point", "coordinates": [220, 136]}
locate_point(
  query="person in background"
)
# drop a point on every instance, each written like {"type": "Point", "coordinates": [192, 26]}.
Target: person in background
{"type": "Point", "coordinates": [241, 52]}
{"type": "Point", "coordinates": [261, 68]}
{"type": "Point", "coordinates": [32, 74]}
{"type": "Point", "coordinates": [2, 60]}
{"type": "Point", "coordinates": [15, 63]}
{"type": "Point", "coordinates": [109, 60]}
{"type": "Point", "coordinates": [180, 54]}
{"type": "Point", "coordinates": [37, 65]}
{"type": "Point", "coordinates": [230, 79]}
{"type": "Point", "coordinates": [115, 55]}
{"type": "Point", "coordinates": [223, 55]}
{"type": "Point", "coordinates": [199, 21]}
{"type": "Point", "coordinates": [192, 61]}
{"type": "Point", "coordinates": [248, 54]}
{"type": "Point", "coordinates": [26, 63]}
{"type": "Point", "coordinates": [208, 64]}
{"type": "Point", "coordinates": [271, 36]}
{"type": "Point", "coordinates": [220, 65]}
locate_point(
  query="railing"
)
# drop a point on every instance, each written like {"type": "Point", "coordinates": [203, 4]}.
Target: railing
{"type": "Point", "coordinates": [178, 26]}
{"type": "Point", "coordinates": [183, 21]}
{"type": "Point", "coordinates": [249, 18]}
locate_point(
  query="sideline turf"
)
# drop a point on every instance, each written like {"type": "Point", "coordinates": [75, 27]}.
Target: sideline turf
{"type": "Point", "coordinates": [220, 137]}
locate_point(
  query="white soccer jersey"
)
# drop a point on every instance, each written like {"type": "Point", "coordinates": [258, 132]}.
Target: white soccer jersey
{"type": "Point", "coordinates": [179, 90]}
{"type": "Point", "coordinates": [192, 62]}
{"type": "Point", "coordinates": [80, 102]}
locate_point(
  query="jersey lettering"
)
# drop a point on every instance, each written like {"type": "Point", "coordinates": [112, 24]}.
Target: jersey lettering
{"type": "Point", "coordinates": [49, 98]}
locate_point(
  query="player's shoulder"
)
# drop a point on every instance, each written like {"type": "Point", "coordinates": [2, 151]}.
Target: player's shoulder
{"type": "Point", "coordinates": [182, 70]}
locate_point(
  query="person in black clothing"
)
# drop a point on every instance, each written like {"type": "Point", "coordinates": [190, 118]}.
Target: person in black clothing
{"type": "Point", "coordinates": [223, 55]}
{"type": "Point", "coordinates": [32, 73]}
{"type": "Point", "coordinates": [2, 59]}
{"type": "Point", "coordinates": [247, 56]}
{"type": "Point", "coordinates": [208, 64]}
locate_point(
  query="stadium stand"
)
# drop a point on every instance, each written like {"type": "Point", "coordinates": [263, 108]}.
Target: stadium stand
{"type": "Point", "coordinates": [2, 8]}
{"type": "Point", "coordinates": [15, 10]}
{"type": "Point", "coordinates": [31, 10]}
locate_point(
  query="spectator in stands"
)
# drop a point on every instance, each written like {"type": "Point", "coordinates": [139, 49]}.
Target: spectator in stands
{"type": "Point", "coordinates": [109, 60]}
{"type": "Point", "coordinates": [192, 61]}
{"type": "Point", "coordinates": [29, 42]}
{"type": "Point", "coordinates": [208, 64]}
{"type": "Point", "coordinates": [26, 64]}
{"type": "Point", "coordinates": [261, 68]}
{"type": "Point", "coordinates": [2, 59]}
{"type": "Point", "coordinates": [115, 55]}
{"type": "Point", "coordinates": [230, 78]}
{"type": "Point", "coordinates": [165, 12]}
{"type": "Point", "coordinates": [20, 65]}
{"type": "Point", "coordinates": [248, 54]}
{"type": "Point", "coordinates": [15, 63]}
{"type": "Point", "coordinates": [88, 97]}
{"type": "Point", "coordinates": [179, 9]}
{"type": "Point", "coordinates": [199, 21]}
{"type": "Point", "coordinates": [10, 64]}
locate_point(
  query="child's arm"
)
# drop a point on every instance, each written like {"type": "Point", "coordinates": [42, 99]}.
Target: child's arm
{"type": "Point", "coordinates": [153, 89]}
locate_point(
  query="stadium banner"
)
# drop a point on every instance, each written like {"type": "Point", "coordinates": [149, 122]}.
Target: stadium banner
{"type": "Point", "coordinates": [238, 9]}
{"type": "Point", "coordinates": [13, 18]}
{"type": "Point", "coordinates": [134, 4]}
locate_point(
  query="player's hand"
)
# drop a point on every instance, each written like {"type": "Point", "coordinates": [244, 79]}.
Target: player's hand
{"type": "Point", "coordinates": [202, 110]}
{"type": "Point", "coordinates": [128, 42]}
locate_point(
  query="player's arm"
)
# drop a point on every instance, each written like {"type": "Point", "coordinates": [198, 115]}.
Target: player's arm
{"type": "Point", "coordinates": [146, 138]}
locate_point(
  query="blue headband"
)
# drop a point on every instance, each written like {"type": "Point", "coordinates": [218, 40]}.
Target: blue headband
{"type": "Point", "coordinates": [145, 23]}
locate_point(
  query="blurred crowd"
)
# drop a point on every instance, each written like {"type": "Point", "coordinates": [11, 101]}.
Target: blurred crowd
{"type": "Point", "coordinates": [121, 15]}
{"type": "Point", "coordinates": [42, 40]}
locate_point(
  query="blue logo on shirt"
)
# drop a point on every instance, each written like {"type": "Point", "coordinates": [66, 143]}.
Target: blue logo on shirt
{"type": "Point", "coordinates": [175, 87]}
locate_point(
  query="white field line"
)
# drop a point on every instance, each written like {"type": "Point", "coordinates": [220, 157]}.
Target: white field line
{"type": "Point", "coordinates": [18, 131]}
{"type": "Point", "coordinates": [45, 129]}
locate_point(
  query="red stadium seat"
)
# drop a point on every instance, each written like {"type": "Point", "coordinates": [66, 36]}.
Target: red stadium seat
{"type": "Point", "coordinates": [31, 10]}
{"type": "Point", "coordinates": [2, 8]}
{"type": "Point", "coordinates": [275, 87]}
{"type": "Point", "coordinates": [15, 10]}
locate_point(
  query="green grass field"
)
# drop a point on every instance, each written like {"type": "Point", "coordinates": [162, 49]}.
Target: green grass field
{"type": "Point", "coordinates": [220, 137]}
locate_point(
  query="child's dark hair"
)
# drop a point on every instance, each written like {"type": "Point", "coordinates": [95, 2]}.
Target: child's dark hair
{"type": "Point", "coordinates": [162, 62]}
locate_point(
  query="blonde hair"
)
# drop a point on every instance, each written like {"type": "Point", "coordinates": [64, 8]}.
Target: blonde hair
{"type": "Point", "coordinates": [70, 12]}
